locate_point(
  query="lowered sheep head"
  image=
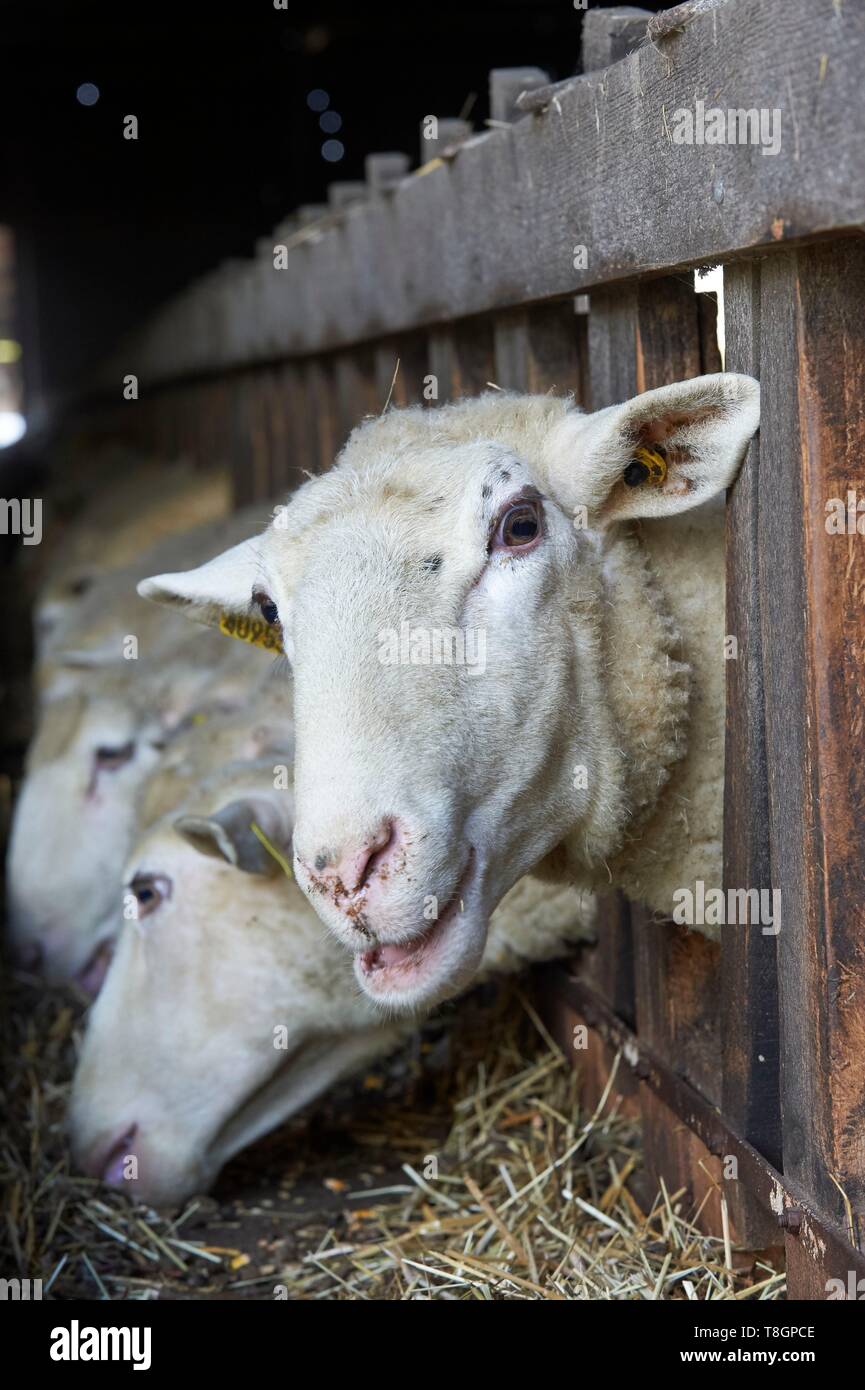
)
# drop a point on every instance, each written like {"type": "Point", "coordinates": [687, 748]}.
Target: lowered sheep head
{"type": "Point", "coordinates": [469, 701]}
{"type": "Point", "coordinates": [226, 1007]}
{"type": "Point", "coordinates": [95, 751]}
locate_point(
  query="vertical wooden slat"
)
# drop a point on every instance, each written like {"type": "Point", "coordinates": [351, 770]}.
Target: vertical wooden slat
{"type": "Point", "coordinates": [749, 988]}
{"type": "Point", "coordinates": [462, 358]}
{"type": "Point", "coordinates": [356, 390]}
{"type": "Point", "coordinates": [611, 376]}
{"type": "Point", "coordinates": [676, 972]}
{"type": "Point", "coordinates": [813, 627]}
{"type": "Point", "coordinates": [536, 349]}
{"type": "Point", "coordinates": [612, 332]}
{"type": "Point", "coordinates": [261, 426]}
{"type": "Point", "coordinates": [320, 391]}
{"type": "Point", "coordinates": [242, 449]}
{"type": "Point", "coordinates": [408, 357]}
{"type": "Point", "coordinates": [301, 426]}
{"type": "Point", "coordinates": [640, 337]}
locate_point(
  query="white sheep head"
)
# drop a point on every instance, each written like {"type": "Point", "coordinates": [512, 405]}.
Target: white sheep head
{"type": "Point", "coordinates": [226, 1007]}
{"type": "Point", "coordinates": [426, 788]}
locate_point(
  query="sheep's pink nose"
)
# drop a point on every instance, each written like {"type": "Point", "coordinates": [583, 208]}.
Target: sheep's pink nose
{"type": "Point", "coordinates": [350, 869]}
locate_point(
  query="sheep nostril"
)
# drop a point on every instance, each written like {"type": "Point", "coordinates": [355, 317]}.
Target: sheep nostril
{"type": "Point", "coordinates": [347, 873]}
{"type": "Point", "coordinates": [379, 852]}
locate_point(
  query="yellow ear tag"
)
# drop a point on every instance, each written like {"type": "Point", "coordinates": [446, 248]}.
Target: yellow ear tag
{"type": "Point", "coordinates": [252, 630]}
{"type": "Point", "coordinates": [654, 461]}
{"type": "Point", "coordinates": [271, 849]}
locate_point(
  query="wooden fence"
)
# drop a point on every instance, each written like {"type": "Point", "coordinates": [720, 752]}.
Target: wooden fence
{"type": "Point", "coordinates": [746, 1060]}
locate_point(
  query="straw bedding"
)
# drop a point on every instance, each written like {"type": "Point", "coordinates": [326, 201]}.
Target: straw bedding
{"type": "Point", "coordinates": [461, 1168]}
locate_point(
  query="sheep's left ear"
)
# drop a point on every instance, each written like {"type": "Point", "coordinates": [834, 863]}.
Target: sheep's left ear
{"type": "Point", "coordinates": [229, 834]}
{"type": "Point", "coordinates": [218, 590]}
{"type": "Point", "coordinates": [662, 452]}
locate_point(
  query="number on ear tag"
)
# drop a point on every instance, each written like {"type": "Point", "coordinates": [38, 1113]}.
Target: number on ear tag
{"type": "Point", "coordinates": [252, 630]}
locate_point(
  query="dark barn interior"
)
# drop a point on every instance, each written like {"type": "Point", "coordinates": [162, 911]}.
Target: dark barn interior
{"type": "Point", "coordinates": [226, 239]}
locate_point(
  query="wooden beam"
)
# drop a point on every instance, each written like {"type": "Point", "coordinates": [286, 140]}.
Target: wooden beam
{"type": "Point", "coordinates": [812, 442]}
{"type": "Point", "coordinates": [749, 987]}
{"type": "Point", "coordinates": [496, 225]}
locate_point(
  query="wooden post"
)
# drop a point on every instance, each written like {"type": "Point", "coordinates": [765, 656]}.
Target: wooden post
{"type": "Point", "coordinates": [611, 34]}
{"type": "Point", "coordinates": [506, 84]}
{"type": "Point", "coordinates": [812, 443]}
{"type": "Point", "coordinates": [749, 987]}
{"type": "Point", "coordinates": [385, 170]}
{"type": "Point", "coordinates": [450, 131]}
{"type": "Point", "coordinates": [640, 337]}
{"type": "Point", "coordinates": [342, 194]}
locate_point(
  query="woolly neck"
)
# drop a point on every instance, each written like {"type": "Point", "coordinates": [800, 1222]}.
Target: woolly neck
{"type": "Point", "coordinates": [647, 686]}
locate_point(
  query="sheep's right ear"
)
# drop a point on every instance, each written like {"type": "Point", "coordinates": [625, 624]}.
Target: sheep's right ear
{"type": "Point", "coordinates": [216, 592]}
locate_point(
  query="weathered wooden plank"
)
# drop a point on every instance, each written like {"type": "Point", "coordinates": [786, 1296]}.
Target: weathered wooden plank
{"type": "Point", "coordinates": [820, 1248]}
{"type": "Point", "coordinates": [320, 400]}
{"type": "Point", "coordinates": [678, 1006]}
{"type": "Point", "coordinates": [301, 425]}
{"type": "Point", "coordinates": [813, 628]}
{"type": "Point", "coordinates": [609, 966]}
{"type": "Point", "coordinates": [506, 84]}
{"type": "Point", "coordinates": [344, 193]}
{"type": "Point", "coordinates": [448, 132]}
{"type": "Point", "coordinates": [462, 359]}
{"type": "Point", "coordinates": [356, 390]}
{"type": "Point", "coordinates": [643, 336]}
{"type": "Point", "coordinates": [242, 452]}
{"type": "Point", "coordinates": [496, 225]}
{"type": "Point", "coordinates": [385, 169]}
{"type": "Point", "coordinates": [401, 366]}
{"type": "Point", "coordinates": [612, 338]}
{"type": "Point", "coordinates": [749, 988]}
{"type": "Point", "coordinates": [536, 349]}
{"type": "Point", "coordinates": [611, 34]}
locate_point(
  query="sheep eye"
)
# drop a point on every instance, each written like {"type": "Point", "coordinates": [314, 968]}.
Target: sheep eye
{"type": "Point", "coordinates": [267, 607]}
{"type": "Point", "coordinates": [149, 890]}
{"type": "Point", "coordinates": [519, 527]}
{"type": "Point", "coordinates": [110, 759]}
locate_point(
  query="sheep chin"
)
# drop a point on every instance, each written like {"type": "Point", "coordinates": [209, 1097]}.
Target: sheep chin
{"type": "Point", "coordinates": [405, 977]}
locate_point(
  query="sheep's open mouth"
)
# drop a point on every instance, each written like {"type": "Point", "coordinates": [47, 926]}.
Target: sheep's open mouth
{"type": "Point", "coordinates": [397, 965]}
